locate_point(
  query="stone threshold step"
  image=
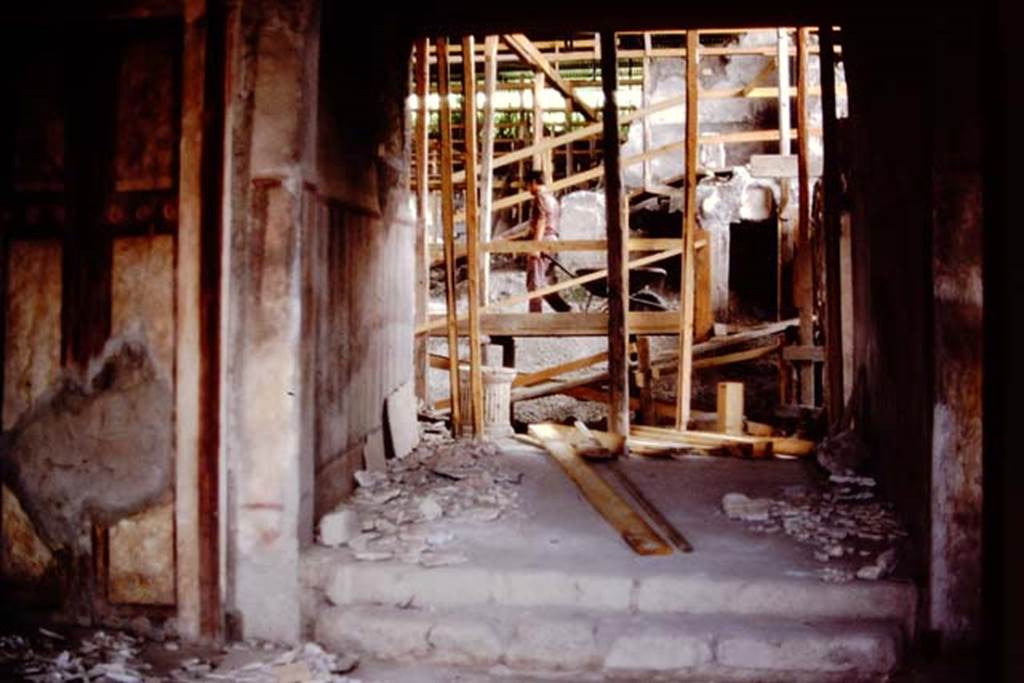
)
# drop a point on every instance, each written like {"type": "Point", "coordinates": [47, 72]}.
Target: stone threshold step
{"type": "Point", "coordinates": [562, 641]}
{"type": "Point", "coordinates": [401, 585]}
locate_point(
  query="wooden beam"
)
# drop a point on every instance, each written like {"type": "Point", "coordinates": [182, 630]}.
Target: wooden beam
{"type": "Point", "coordinates": [834, 393]}
{"type": "Point", "coordinates": [689, 280]}
{"type": "Point", "coordinates": [578, 134]}
{"type": "Point", "coordinates": [809, 354]}
{"type": "Point", "coordinates": [618, 255]}
{"type": "Point", "coordinates": [645, 382]}
{"type": "Point", "coordinates": [652, 512]}
{"type": "Point", "coordinates": [803, 294]}
{"type": "Point", "coordinates": [565, 324]}
{"type": "Point", "coordinates": [422, 132]}
{"type": "Point", "coordinates": [761, 447]}
{"type": "Point", "coordinates": [645, 102]}
{"type": "Point", "coordinates": [472, 239]}
{"type": "Point", "coordinates": [563, 285]}
{"type": "Point", "coordinates": [730, 407]}
{"type": "Point", "coordinates": [448, 218]}
{"type": "Point", "coordinates": [537, 123]}
{"type": "Point", "coordinates": [782, 63]}
{"type": "Point", "coordinates": [637, 534]}
{"type": "Point", "coordinates": [528, 379]}
{"type": "Point", "coordinates": [522, 46]}
{"type": "Point", "coordinates": [487, 164]}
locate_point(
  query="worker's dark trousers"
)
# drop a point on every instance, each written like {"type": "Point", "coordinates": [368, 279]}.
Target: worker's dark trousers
{"type": "Point", "coordinates": [540, 273]}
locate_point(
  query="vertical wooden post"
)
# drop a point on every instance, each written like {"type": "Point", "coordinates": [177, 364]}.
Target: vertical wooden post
{"type": "Point", "coordinates": [684, 376]}
{"type": "Point", "coordinates": [448, 219]}
{"type": "Point", "coordinates": [833, 288]}
{"type": "Point", "coordinates": [472, 235]}
{"type": "Point", "coordinates": [730, 407]}
{"type": "Point", "coordinates": [422, 78]}
{"type": "Point", "coordinates": [487, 163]}
{"type": "Point", "coordinates": [645, 99]}
{"type": "Point", "coordinates": [197, 326]}
{"type": "Point", "coordinates": [782, 58]}
{"type": "Point", "coordinates": [648, 414]}
{"type": "Point", "coordinates": [618, 256]}
{"type": "Point", "coordinates": [803, 294]}
{"type": "Point", "coordinates": [542, 160]}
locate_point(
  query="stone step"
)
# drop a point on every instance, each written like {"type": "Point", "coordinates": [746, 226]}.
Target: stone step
{"type": "Point", "coordinates": [596, 643]}
{"type": "Point", "coordinates": [401, 585]}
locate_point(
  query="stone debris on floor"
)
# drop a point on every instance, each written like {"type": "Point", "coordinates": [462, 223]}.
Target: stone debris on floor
{"type": "Point", "coordinates": [117, 657]}
{"type": "Point", "coordinates": [102, 656]}
{"type": "Point", "coordinates": [842, 521]}
{"type": "Point", "coordinates": [398, 514]}
{"type": "Point", "coordinates": [256, 662]}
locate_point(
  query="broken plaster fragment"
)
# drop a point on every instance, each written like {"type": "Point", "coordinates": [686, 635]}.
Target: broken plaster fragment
{"type": "Point", "coordinates": [430, 508]}
{"type": "Point", "coordinates": [739, 506]}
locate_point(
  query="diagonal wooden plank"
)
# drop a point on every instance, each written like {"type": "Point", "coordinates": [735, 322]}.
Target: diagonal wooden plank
{"type": "Point", "coordinates": [637, 533]}
{"type": "Point", "coordinates": [526, 50]}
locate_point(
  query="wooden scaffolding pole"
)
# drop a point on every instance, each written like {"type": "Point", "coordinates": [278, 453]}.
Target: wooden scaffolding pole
{"type": "Point", "coordinates": [833, 288]}
{"type": "Point", "coordinates": [803, 286]}
{"type": "Point", "coordinates": [448, 218]}
{"type": "Point", "coordinates": [422, 85]}
{"type": "Point", "coordinates": [618, 255]}
{"type": "Point", "coordinates": [476, 392]}
{"type": "Point", "coordinates": [782, 61]}
{"type": "Point", "coordinates": [487, 162]}
{"type": "Point", "coordinates": [684, 378]}
{"type": "Point", "coordinates": [542, 159]}
{"type": "Point", "coordinates": [645, 101]}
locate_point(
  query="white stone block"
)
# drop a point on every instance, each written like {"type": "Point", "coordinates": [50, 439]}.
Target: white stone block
{"type": "Point", "coordinates": [339, 527]}
{"type": "Point", "coordinates": [465, 641]}
{"type": "Point", "coordinates": [655, 650]}
{"type": "Point", "coordinates": [383, 633]}
{"type": "Point", "coordinates": [526, 588]}
{"type": "Point", "coordinates": [553, 645]}
{"type": "Point", "coordinates": [837, 652]}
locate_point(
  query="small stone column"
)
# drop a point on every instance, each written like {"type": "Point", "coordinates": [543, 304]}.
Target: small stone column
{"type": "Point", "coordinates": [497, 390]}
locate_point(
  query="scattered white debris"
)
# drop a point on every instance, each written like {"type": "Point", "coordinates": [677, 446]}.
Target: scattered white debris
{"type": "Point", "coordinates": [339, 527]}
{"type": "Point", "coordinates": [844, 522]}
{"type": "Point", "coordinates": [882, 567]}
{"type": "Point", "coordinates": [739, 506]}
{"type": "Point", "coordinates": [394, 514]}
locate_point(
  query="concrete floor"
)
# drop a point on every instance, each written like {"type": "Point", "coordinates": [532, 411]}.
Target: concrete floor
{"type": "Point", "coordinates": [557, 528]}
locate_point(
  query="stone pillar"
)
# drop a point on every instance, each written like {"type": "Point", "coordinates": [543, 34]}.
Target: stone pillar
{"type": "Point", "coordinates": [497, 389]}
{"type": "Point", "coordinates": [267, 347]}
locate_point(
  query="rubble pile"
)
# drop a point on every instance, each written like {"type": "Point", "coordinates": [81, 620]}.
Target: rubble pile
{"type": "Point", "coordinates": [844, 522]}
{"type": "Point", "coordinates": [399, 514]}
{"type": "Point", "coordinates": [102, 656]}
{"type": "Point", "coordinates": [255, 662]}
{"type": "Point", "coordinates": [116, 657]}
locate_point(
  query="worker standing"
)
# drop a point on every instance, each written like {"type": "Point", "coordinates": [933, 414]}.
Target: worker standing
{"type": "Point", "coordinates": [544, 215]}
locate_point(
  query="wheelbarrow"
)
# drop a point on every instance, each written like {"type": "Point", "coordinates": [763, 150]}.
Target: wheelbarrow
{"type": "Point", "coordinates": [641, 297]}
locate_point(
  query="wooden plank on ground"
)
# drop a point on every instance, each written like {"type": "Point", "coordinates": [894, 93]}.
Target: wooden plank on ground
{"type": "Point", "coordinates": [636, 532]}
{"type": "Point", "coordinates": [760, 447]}
{"type": "Point", "coordinates": [652, 511]}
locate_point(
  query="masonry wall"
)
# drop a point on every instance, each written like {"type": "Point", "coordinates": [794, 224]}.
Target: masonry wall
{"type": "Point", "coordinates": [917, 225]}
{"type": "Point", "coordinates": [318, 288]}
